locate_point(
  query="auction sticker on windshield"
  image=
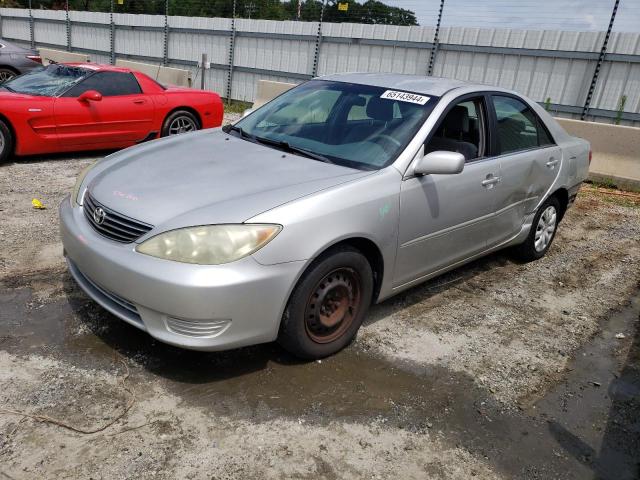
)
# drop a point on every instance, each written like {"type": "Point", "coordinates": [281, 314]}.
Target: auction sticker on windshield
{"type": "Point", "coordinates": [404, 97]}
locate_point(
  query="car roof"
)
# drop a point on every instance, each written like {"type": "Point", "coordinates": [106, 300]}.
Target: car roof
{"type": "Point", "coordinates": [436, 86]}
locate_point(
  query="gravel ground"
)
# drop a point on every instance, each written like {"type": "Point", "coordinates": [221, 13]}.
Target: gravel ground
{"type": "Point", "coordinates": [496, 370]}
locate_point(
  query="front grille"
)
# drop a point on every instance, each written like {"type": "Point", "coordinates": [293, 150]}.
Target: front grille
{"type": "Point", "coordinates": [114, 226]}
{"type": "Point", "coordinates": [112, 302]}
{"type": "Point", "coordinates": [117, 299]}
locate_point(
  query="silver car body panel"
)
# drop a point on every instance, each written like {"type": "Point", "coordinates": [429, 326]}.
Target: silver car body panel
{"type": "Point", "coordinates": [421, 225]}
{"type": "Point", "coordinates": [15, 57]}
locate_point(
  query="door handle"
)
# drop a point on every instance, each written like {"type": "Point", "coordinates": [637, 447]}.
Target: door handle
{"type": "Point", "coordinates": [490, 181]}
{"type": "Point", "coordinates": [139, 102]}
{"type": "Point", "coordinates": [552, 163]}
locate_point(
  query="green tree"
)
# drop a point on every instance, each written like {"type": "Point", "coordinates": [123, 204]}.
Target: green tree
{"type": "Point", "coordinates": [370, 11]}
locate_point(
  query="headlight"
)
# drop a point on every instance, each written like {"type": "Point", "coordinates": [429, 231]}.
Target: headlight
{"type": "Point", "coordinates": [75, 201]}
{"type": "Point", "coordinates": [209, 244]}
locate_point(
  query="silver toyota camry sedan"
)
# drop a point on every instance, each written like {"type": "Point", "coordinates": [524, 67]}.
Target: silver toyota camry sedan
{"type": "Point", "coordinates": [335, 195]}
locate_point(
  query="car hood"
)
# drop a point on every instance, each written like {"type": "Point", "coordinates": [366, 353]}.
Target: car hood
{"type": "Point", "coordinates": [207, 177]}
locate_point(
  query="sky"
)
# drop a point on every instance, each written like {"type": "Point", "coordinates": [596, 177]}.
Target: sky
{"type": "Point", "coordinates": [541, 14]}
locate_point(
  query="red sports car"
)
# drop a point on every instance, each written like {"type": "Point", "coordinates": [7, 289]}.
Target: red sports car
{"type": "Point", "coordinates": [72, 107]}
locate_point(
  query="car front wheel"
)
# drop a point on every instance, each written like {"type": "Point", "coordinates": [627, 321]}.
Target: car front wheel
{"type": "Point", "coordinates": [542, 233]}
{"type": "Point", "coordinates": [328, 305]}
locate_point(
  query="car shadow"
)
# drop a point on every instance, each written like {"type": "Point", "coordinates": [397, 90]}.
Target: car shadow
{"type": "Point", "coordinates": [40, 158]}
{"type": "Point", "coordinates": [450, 280]}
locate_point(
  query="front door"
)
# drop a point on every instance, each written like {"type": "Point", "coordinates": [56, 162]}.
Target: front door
{"type": "Point", "coordinates": [445, 219]}
{"type": "Point", "coordinates": [123, 116]}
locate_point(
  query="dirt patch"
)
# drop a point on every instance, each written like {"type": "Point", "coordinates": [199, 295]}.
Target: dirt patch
{"type": "Point", "coordinates": [495, 370]}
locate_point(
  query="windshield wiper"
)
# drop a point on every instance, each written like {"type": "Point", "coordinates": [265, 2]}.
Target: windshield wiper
{"type": "Point", "coordinates": [233, 128]}
{"type": "Point", "coordinates": [293, 149]}
{"type": "Point", "coordinates": [276, 143]}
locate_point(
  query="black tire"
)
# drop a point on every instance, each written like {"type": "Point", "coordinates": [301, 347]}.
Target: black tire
{"type": "Point", "coordinates": [6, 142]}
{"type": "Point", "coordinates": [179, 115]}
{"type": "Point", "coordinates": [527, 251]}
{"type": "Point", "coordinates": [341, 281]}
{"type": "Point", "coordinates": [7, 74]}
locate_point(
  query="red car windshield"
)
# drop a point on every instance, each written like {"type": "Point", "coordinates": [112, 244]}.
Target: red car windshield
{"type": "Point", "coordinates": [49, 81]}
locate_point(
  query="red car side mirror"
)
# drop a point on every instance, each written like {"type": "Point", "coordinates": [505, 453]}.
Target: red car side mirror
{"type": "Point", "coordinates": [90, 96]}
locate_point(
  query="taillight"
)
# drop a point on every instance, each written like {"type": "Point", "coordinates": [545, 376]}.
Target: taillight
{"type": "Point", "coordinates": [590, 153]}
{"type": "Point", "coordinates": [35, 58]}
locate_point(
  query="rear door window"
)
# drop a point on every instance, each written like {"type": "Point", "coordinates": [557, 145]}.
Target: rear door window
{"type": "Point", "coordinates": [518, 127]}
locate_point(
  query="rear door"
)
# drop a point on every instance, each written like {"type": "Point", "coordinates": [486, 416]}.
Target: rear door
{"type": "Point", "coordinates": [529, 164]}
{"type": "Point", "coordinates": [123, 116]}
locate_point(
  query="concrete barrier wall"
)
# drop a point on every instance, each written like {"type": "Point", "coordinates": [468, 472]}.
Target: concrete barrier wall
{"type": "Point", "coordinates": [59, 56]}
{"type": "Point", "coordinates": [616, 151]}
{"type": "Point", "coordinates": [268, 90]}
{"type": "Point", "coordinates": [164, 75]}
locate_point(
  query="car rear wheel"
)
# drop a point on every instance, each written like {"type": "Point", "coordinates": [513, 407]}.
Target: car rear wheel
{"type": "Point", "coordinates": [543, 231]}
{"type": "Point", "coordinates": [180, 121]}
{"type": "Point", "coordinates": [328, 305]}
{"type": "Point", "coordinates": [6, 74]}
{"type": "Point", "coordinates": [6, 142]}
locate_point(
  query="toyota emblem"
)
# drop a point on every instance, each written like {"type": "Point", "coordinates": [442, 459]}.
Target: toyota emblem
{"type": "Point", "coordinates": [99, 215]}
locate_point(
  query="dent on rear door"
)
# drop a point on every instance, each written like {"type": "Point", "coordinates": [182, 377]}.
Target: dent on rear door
{"type": "Point", "coordinates": [526, 179]}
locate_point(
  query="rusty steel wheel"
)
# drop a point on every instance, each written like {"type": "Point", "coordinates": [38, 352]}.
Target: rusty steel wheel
{"type": "Point", "coordinates": [328, 304]}
{"type": "Point", "coordinates": [333, 305]}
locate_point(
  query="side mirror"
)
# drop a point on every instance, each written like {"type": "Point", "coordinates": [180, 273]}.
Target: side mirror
{"type": "Point", "coordinates": [248, 111]}
{"type": "Point", "coordinates": [440, 162]}
{"type": "Point", "coordinates": [90, 96]}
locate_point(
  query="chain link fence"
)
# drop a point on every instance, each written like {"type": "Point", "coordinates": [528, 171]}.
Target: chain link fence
{"type": "Point", "coordinates": [573, 62]}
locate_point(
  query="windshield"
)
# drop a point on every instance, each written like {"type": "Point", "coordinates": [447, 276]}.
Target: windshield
{"type": "Point", "coordinates": [48, 81]}
{"type": "Point", "coordinates": [353, 125]}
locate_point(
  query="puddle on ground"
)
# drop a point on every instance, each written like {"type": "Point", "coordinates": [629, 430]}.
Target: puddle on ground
{"type": "Point", "coordinates": [561, 438]}
{"type": "Point", "coordinates": [594, 414]}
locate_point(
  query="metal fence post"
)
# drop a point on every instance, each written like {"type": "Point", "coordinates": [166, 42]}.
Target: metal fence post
{"type": "Point", "coordinates": [112, 36]}
{"type": "Point", "coordinates": [232, 41]}
{"type": "Point", "coordinates": [596, 72]}
{"type": "Point", "coordinates": [68, 21]}
{"type": "Point", "coordinates": [165, 55]}
{"type": "Point", "coordinates": [316, 55]}
{"type": "Point", "coordinates": [436, 41]}
{"type": "Point", "coordinates": [203, 66]}
{"type": "Point", "coordinates": [32, 36]}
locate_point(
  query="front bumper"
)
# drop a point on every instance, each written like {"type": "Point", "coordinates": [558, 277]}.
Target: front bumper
{"type": "Point", "coordinates": [192, 306]}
